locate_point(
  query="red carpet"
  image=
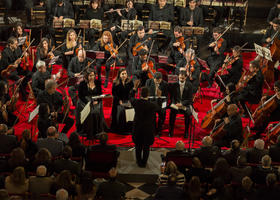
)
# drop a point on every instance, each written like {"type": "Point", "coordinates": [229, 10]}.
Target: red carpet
{"type": "Point", "coordinates": [125, 140]}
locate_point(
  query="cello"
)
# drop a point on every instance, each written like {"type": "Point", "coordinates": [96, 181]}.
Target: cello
{"type": "Point", "coordinates": [218, 131]}
{"type": "Point", "coordinates": [273, 134]}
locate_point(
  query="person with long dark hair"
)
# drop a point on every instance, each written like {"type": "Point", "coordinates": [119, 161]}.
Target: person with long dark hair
{"type": "Point", "coordinates": [78, 149]}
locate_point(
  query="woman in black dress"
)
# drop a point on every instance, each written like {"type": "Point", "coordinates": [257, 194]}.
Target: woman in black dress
{"type": "Point", "coordinates": [121, 88]}
{"type": "Point", "coordinates": [89, 88]}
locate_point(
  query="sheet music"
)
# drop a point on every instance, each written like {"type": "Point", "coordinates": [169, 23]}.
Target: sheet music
{"type": "Point", "coordinates": [263, 52]}
{"type": "Point", "coordinates": [164, 104]}
{"type": "Point", "coordinates": [258, 49]}
{"type": "Point", "coordinates": [33, 114]}
{"type": "Point", "coordinates": [177, 108]}
{"type": "Point", "coordinates": [194, 114]}
{"type": "Point", "coordinates": [85, 112]}
{"type": "Point", "coordinates": [129, 114]}
{"type": "Point", "coordinates": [53, 60]}
{"type": "Point", "coordinates": [21, 40]}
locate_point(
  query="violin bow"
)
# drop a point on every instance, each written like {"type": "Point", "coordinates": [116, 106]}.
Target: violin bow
{"type": "Point", "coordinates": [224, 31]}
{"type": "Point", "coordinates": [26, 48]}
{"type": "Point", "coordinates": [118, 48]}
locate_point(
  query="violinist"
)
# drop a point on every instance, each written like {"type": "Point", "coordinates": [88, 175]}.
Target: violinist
{"type": "Point", "coordinates": [191, 67]}
{"type": "Point", "coordinates": [181, 96]}
{"type": "Point", "coordinates": [11, 59]}
{"type": "Point", "coordinates": [141, 66]}
{"type": "Point", "coordinates": [274, 115]}
{"type": "Point", "coordinates": [106, 44]}
{"type": "Point", "coordinates": [120, 91]}
{"type": "Point", "coordinates": [44, 53]}
{"type": "Point", "coordinates": [70, 47]}
{"type": "Point", "coordinates": [217, 47]}
{"type": "Point", "coordinates": [18, 32]}
{"type": "Point", "coordinates": [252, 92]}
{"type": "Point", "coordinates": [89, 88]}
{"type": "Point", "coordinates": [232, 127]}
{"type": "Point", "coordinates": [233, 73]}
{"type": "Point", "coordinates": [76, 66]}
{"type": "Point", "coordinates": [55, 101]}
{"type": "Point", "coordinates": [94, 11]}
{"type": "Point", "coordinates": [191, 15]}
{"type": "Point", "coordinates": [177, 45]}
{"type": "Point", "coordinates": [271, 31]}
{"type": "Point", "coordinates": [39, 78]}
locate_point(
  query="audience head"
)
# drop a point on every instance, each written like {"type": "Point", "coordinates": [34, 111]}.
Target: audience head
{"type": "Point", "coordinates": [4, 194]}
{"type": "Point", "coordinates": [271, 179]}
{"type": "Point", "coordinates": [172, 179]}
{"type": "Point", "coordinates": [18, 176]}
{"type": "Point", "coordinates": [207, 141]}
{"type": "Point", "coordinates": [235, 145]}
{"type": "Point", "coordinates": [259, 144]}
{"type": "Point", "coordinates": [43, 155]}
{"type": "Point", "coordinates": [221, 165]}
{"type": "Point", "coordinates": [180, 145]}
{"type": "Point", "coordinates": [17, 156]}
{"type": "Point", "coordinates": [266, 161]}
{"type": "Point", "coordinates": [113, 173]}
{"type": "Point", "coordinates": [61, 194]}
{"type": "Point", "coordinates": [103, 138]}
{"type": "Point", "coordinates": [3, 129]}
{"type": "Point", "coordinates": [74, 139]}
{"type": "Point", "coordinates": [64, 179]}
{"type": "Point", "coordinates": [51, 132]}
{"type": "Point", "coordinates": [144, 92]}
{"type": "Point", "coordinates": [247, 183]}
{"type": "Point", "coordinates": [86, 182]}
{"type": "Point", "coordinates": [241, 161]}
{"type": "Point", "coordinates": [194, 184]}
{"type": "Point", "coordinates": [171, 168]}
{"type": "Point", "coordinates": [196, 163]}
{"type": "Point", "coordinates": [41, 171]}
{"type": "Point", "coordinates": [67, 152]}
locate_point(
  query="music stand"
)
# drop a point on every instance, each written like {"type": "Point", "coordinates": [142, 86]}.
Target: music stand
{"type": "Point", "coordinates": [31, 117]}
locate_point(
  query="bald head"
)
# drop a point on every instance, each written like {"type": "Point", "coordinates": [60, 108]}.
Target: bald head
{"type": "Point", "coordinates": [207, 141]}
{"type": "Point", "coordinates": [3, 129]}
{"type": "Point", "coordinates": [51, 132]}
{"type": "Point", "coordinates": [180, 145]}
{"type": "Point", "coordinates": [41, 170]}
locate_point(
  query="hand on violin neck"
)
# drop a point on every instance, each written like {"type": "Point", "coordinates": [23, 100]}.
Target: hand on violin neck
{"type": "Point", "coordinates": [212, 44]}
{"type": "Point", "coordinates": [176, 44]}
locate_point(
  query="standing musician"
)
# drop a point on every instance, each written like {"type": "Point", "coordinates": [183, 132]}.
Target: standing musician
{"type": "Point", "coordinates": [270, 32]}
{"type": "Point", "coordinates": [70, 47]}
{"type": "Point", "coordinates": [191, 15]}
{"type": "Point", "coordinates": [55, 101]}
{"type": "Point", "coordinates": [120, 91]}
{"type": "Point", "coordinates": [44, 53]}
{"type": "Point", "coordinates": [94, 11]}
{"type": "Point", "coordinates": [274, 12]}
{"type": "Point", "coordinates": [158, 90]}
{"type": "Point", "coordinates": [89, 88]}
{"type": "Point", "coordinates": [11, 58]}
{"type": "Point", "coordinates": [141, 66]}
{"type": "Point", "coordinates": [177, 45]}
{"type": "Point", "coordinates": [181, 96]}
{"type": "Point", "coordinates": [233, 73]}
{"type": "Point", "coordinates": [39, 78]}
{"type": "Point", "coordinates": [274, 115]}
{"type": "Point", "coordinates": [106, 44]}
{"type": "Point", "coordinates": [191, 67]}
{"type": "Point", "coordinates": [217, 47]}
{"type": "Point", "coordinates": [252, 92]}
{"type": "Point", "coordinates": [231, 128]}
{"type": "Point", "coordinates": [76, 66]}
{"type": "Point", "coordinates": [7, 105]}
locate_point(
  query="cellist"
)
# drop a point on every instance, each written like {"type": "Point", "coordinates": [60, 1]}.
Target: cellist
{"type": "Point", "coordinates": [274, 115]}
{"type": "Point", "coordinates": [270, 32]}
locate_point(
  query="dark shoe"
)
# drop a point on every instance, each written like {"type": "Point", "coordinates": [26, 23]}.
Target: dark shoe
{"type": "Point", "coordinates": [106, 83]}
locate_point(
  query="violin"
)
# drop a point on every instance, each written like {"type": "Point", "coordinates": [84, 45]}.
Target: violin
{"type": "Point", "coordinates": [230, 61]}
{"type": "Point", "coordinates": [182, 46]}
{"type": "Point", "coordinates": [273, 133]}
{"type": "Point", "coordinates": [190, 68]}
{"type": "Point", "coordinates": [138, 46]}
{"type": "Point", "coordinates": [151, 71]}
{"type": "Point", "coordinates": [243, 81]}
{"type": "Point", "coordinates": [110, 47]}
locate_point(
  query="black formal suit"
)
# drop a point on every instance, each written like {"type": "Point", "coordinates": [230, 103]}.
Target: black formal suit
{"type": "Point", "coordinates": [66, 10]}
{"type": "Point", "coordinates": [38, 81]}
{"type": "Point", "coordinates": [255, 155]}
{"type": "Point", "coordinates": [185, 16]}
{"type": "Point", "coordinates": [273, 13]}
{"type": "Point", "coordinates": [144, 127]}
{"type": "Point", "coordinates": [175, 55]}
{"type": "Point", "coordinates": [185, 99]}
{"type": "Point", "coordinates": [163, 86]}
{"type": "Point", "coordinates": [134, 39]}
{"type": "Point", "coordinates": [274, 153]}
{"type": "Point", "coordinates": [207, 155]}
{"type": "Point", "coordinates": [66, 164]}
{"type": "Point", "coordinates": [7, 143]}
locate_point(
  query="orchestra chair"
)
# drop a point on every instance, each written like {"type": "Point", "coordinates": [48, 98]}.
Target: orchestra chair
{"type": "Point", "coordinates": [100, 162]}
{"type": "Point", "coordinates": [46, 197]}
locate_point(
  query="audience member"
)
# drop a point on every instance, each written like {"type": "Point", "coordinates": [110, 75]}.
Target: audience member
{"type": "Point", "coordinates": [61, 194]}
{"type": "Point", "coordinates": [197, 170]}
{"type": "Point", "coordinates": [170, 191]}
{"type": "Point", "coordinates": [43, 157]}
{"type": "Point", "coordinates": [255, 154]}
{"type": "Point", "coordinates": [246, 191]}
{"type": "Point", "coordinates": [17, 183]}
{"type": "Point", "coordinates": [78, 149]}
{"type": "Point", "coordinates": [241, 170]}
{"type": "Point", "coordinates": [207, 153]}
{"type": "Point", "coordinates": [271, 190]}
{"type": "Point", "coordinates": [41, 183]}
{"type": "Point", "coordinates": [27, 145]}
{"type": "Point", "coordinates": [7, 142]}
{"type": "Point", "coordinates": [221, 170]}
{"type": "Point", "coordinates": [193, 190]}
{"type": "Point", "coordinates": [274, 151]}
{"type": "Point", "coordinates": [171, 168]}
{"type": "Point", "coordinates": [17, 159]}
{"type": "Point", "coordinates": [111, 189]}
{"type": "Point", "coordinates": [218, 190]}
{"type": "Point", "coordinates": [86, 189]}
{"type": "Point", "coordinates": [51, 143]}
{"type": "Point", "coordinates": [103, 146]}
{"type": "Point", "coordinates": [232, 154]}
{"type": "Point", "coordinates": [4, 195]}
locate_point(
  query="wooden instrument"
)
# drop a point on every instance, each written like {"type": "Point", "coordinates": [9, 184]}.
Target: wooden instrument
{"type": "Point", "coordinates": [182, 46]}
{"type": "Point", "coordinates": [220, 40]}
{"type": "Point", "coordinates": [138, 46]}
{"type": "Point", "coordinates": [243, 81]}
{"type": "Point", "coordinates": [264, 110]}
{"type": "Point", "coordinates": [273, 134]}
{"type": "Point", "coordinates": [110, 47]}
{"type": "Point", "coordinates": [151, 71]}
{"type": "Point", "coordinates": [218, 131]}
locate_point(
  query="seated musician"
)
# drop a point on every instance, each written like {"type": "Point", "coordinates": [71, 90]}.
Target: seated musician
{"type": "Point", "coordinates": [70, 48]}
{"type": "Point", "coordinates": [232, 129]}
{"type": "Point", "coordinates": [270, 32]}
{"type": "Point", "coordinates": [120, 91]}
{"type": "Point", "coordinates": [216, 58]}
{"type": "Point", "coordinates": [191, 15]}
{"type": "Point", "coordinates": [158, 90]}
{"type": "Point", "coordinates": [55, 101]}
{"type": "Point", "coordinates": [94, 11]}
{"type": "Point", "coordinates": [11, 57]}
{"type": "Point", "coordinates": [177, 46]}
{"type": "Point", "coordinates": [18, 31]}
{"type": "Point", "coordinates": [274, 115]}
{"type": "Point", "coordinates": [44, 53]}
{"type": "Point", "coordinates": [274, 12]}
{"type": "Point", "coordinates": [181, 96]}
{"type": "Point", "coordinates": [20, 5]}
{"type": "Point", "coordinates": [140, 68]}
{"type": "Point", "coordinates": [163, 12]}
{"type": "Point", "coordinates": [39, 78]}
{"type": "Point", "coordinates": [252, 92]}
{"type": "Point", "coordinates": [191, 67]}
{"type": "Point", "coordinates": [94, 122]}
{"type": "Point", "coordinates": [76, 67]}
{"type": "Point", "coordinates": [106, 44]}
{"type": "Point", "coordinates": [234, 73]}
{"type": "Point", "coordinates": [7, 105]}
